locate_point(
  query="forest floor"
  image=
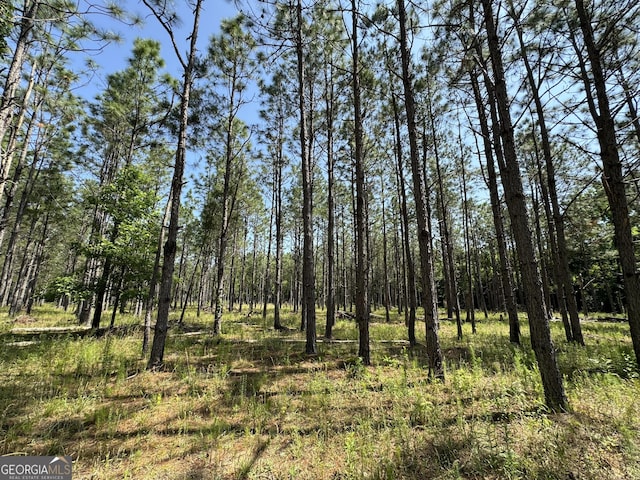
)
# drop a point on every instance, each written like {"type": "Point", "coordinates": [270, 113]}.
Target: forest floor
{"type": "Point", "coordinates": [252, 405]}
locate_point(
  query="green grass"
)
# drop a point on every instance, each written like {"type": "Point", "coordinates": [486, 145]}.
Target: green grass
{"type": "Point", "coordinates": [252, 405]}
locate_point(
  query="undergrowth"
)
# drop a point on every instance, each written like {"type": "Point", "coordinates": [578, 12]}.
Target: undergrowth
{"type": "Point", "coordinates": [251, 405]}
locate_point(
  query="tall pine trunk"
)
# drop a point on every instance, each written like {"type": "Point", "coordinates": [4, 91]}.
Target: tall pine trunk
{"type": "Point", "coordinates": [448, 258]}
{"type": "Point", "coordinates": [308, 276]}
{"type": "Point", "coordinates": [11, 84]}
{"type": "Point", "coordinates": [153, 282]}
{"type": "Point", "coordinates": [170, 247]}
{"type": "Point", "coordinates": [506, 280]}
{"type": "Point", "coordinates": [613, 178]}
{"type": "Point", "coordinates": [362, 262]}
{"type": "Point", "coordinates": [331, 230]}
{"type": "Point", "coordinates": [434, 352]}
{"type": "Point", "coordinates": [410, 292]}
{"type": "Point", "coordinates": [512, 184]}
{"type": "Point", "coordinates": [559, 242]}
{"type": "Point", "coordinates": [278, 254]}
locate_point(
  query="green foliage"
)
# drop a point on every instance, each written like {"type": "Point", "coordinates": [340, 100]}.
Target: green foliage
{"type": "Point", "coordinates": [593, 256]}
{"type": "Point", "coordinates": [63, 286]}
{"type": "Point", "coordinates": [130, 198]}
{"type": "Point", "coordinates": [6, 24]}
{"type": "Point", "coordinates": [254, 393]}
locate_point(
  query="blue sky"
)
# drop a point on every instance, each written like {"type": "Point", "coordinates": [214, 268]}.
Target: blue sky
{"type": "Point", "coordinates": [114, 56]}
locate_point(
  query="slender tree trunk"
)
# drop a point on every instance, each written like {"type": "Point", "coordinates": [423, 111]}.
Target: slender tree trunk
{"type": "Point", "coordinates": [34, 268]}
{"type": "Point", "coordinates": [202, 285]}
{"type": "Point", "coordinates": [362, 273]}
{"type": "Point", "coordinates": [243, 268]}
{"type": "Point", "coordinates": [446, 267]}
{"type": "Point", "coordinates": [18, 292]}
{"type": "Point", "coordinates": [544, 273]}
{"type": "Point", "coordinates": [398, 260]}
{"type": "Point", "coordinates": [506, 281]}
{"type": "Point", "coordinates": [266, 288]}
{"type": "Point", "coordinates": [613, 178]}
{"type": "Point", "coordinates": [39, 259]}
{"type": "Point", "coordinates": [10, 151]}
{"type": "Point", "coordinates": [424, 230]}
{"type": "Point", "coordinates": [227, 208]}
{"type": "Point", "coordinates": [331, 280]}
{"type": "Point", "coordinates": [470, 304]}
{"type": "Point", "coordinates": [116, 301]}
{"type": "Point", "coordinates": [385, 263]}
{"type": "Point", "coordinates": [12, 82]}
{"type": "Point", "coordinates": [308, 276]}
{"type": "Point", "coordinates": [7, 265]}
{"type": "Point", "coordinates": [404, 212]}
{"type": "Point", "coordinates": [153, 282]}
{"type": "Point", "coordinates": [102, 282]}
{"type": "Point", "coordinates": [178, 289]}
{"type": "Point", "coordinates": [562, 304]}
{"type": "Point", "coordinates": [190, 285]}
{"type": "Point", "coordinates": [278, 219]}
{"type": "Point", "coordinates": [481, 290]}
{"type": "Point", "coordinates": [449, 262]}
{"type": "Point", "coordinates": [296, 275]}
{"type": "Point", "coordinates": [166, 279]}
{"type": "Point", "coordinates": [232, 272]}
{"type": "Point", "coordinates": [514, 194]}
{"type": "Point", "coordinates": [254, 266]}
{"type": "Point", "coordinates": [564, 273]}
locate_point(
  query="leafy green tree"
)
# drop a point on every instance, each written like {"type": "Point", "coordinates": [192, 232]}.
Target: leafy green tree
{"type": "Point", "coordinates": [47, 31]}
{"type": "Point", "coordinates": [45, 141]}
{"type": "Point", "coordinates": [130, 202]}
{"type": "Point", "coordinates": [40, 212]}
{"type": "Point", "coordinates": [592, 253]}
{"type": "Point", "coordinates": [128, 112]}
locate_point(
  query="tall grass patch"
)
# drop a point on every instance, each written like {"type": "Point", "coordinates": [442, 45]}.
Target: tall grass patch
{"type": "Point", "coordinates": [250, 404]}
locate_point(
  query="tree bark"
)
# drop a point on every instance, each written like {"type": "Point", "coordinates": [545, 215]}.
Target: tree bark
{"type": "Point", "coordinates": [308, 276]}
{"type": "Point", "coordinates": [512, 183]}
{"type": "Point", "coordinates": [613, 179]}
{"type": "Point", "coordinates": [170, 247]}
{"type": "Point", "coordinates": [424, 229]}
{"type": "Point", "coordinates": [362, 262]}
{"type": "Point", "coordinates": [404, 212]}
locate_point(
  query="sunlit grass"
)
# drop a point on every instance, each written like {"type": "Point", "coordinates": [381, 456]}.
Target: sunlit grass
{"type": "Point", "coordinates": [252, 405]}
